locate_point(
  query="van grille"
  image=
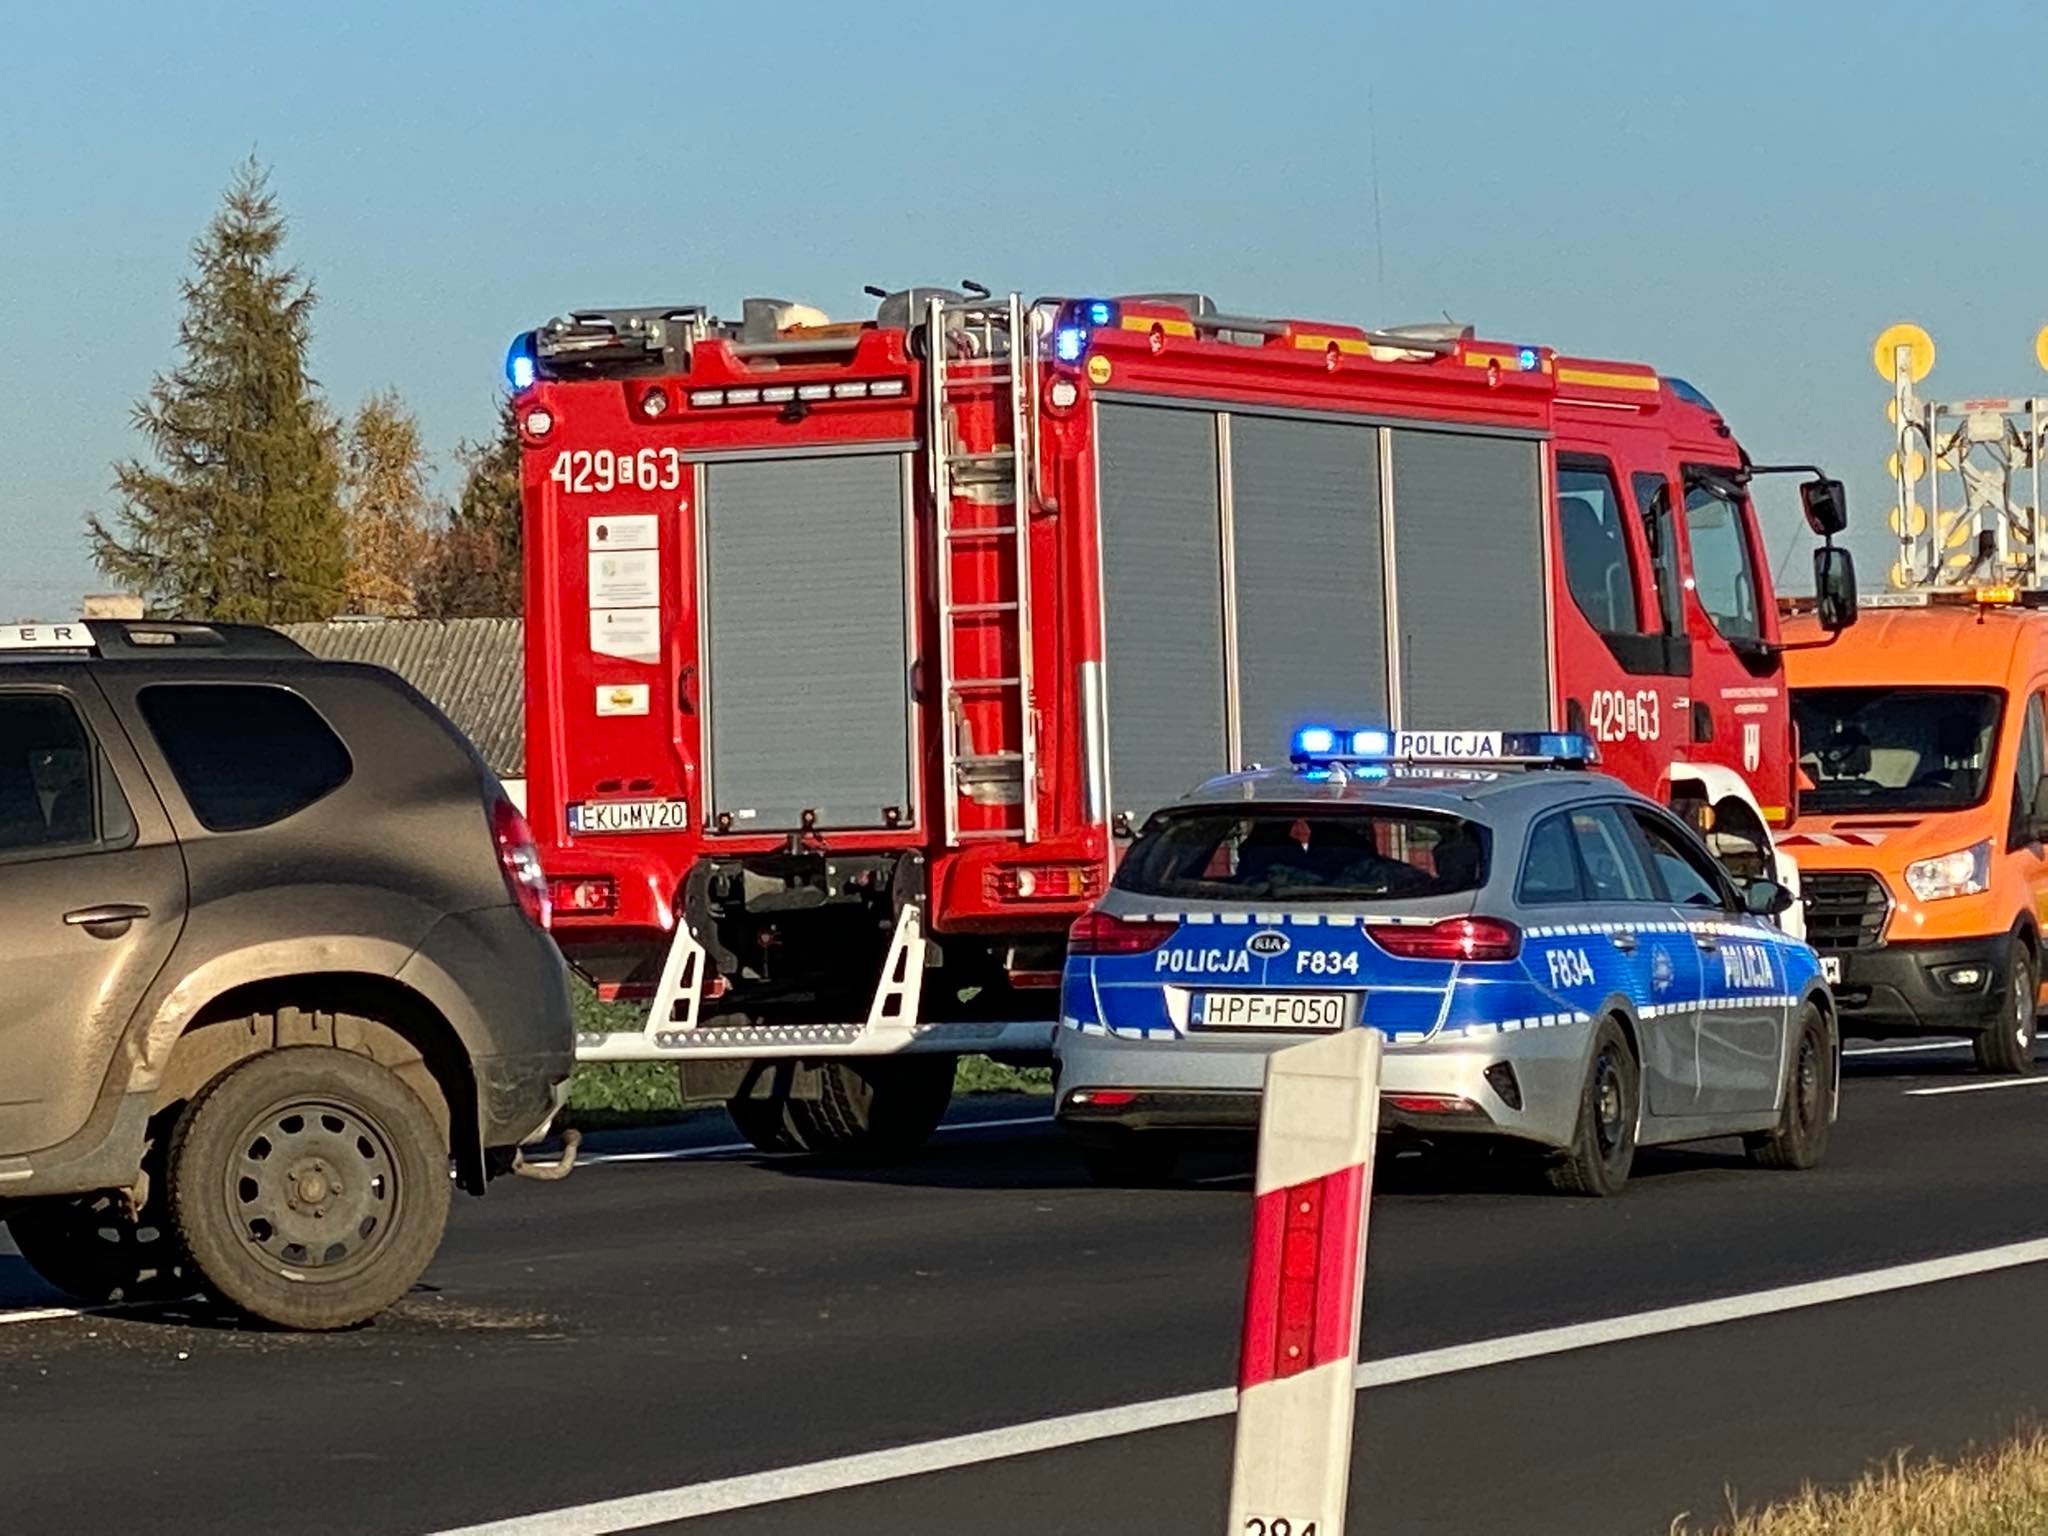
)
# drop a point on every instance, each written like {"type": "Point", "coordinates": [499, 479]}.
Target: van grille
{"type": "Point", "coordinates": [1844, 910]}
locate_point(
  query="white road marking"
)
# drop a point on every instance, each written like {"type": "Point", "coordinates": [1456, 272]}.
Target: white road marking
{"type": "Point", "coordinates": [40, 1314]}
{"type": "Point", "coordinates": [634, 1511]}
{"type": "Point", "coordinates": [1985, 1087]}
{"type": "Point", "coordinates": [726, 1148]}
{"type": "Point", "coordinates": [1902, 1050]}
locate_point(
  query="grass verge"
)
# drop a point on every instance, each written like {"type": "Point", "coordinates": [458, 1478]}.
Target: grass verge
{"type": "Point", "coordinates": [2002, 1491]}
{"type": "Point", "coordinates": [619, 1094]}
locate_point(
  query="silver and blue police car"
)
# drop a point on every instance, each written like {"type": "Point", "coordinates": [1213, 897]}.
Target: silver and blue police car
{"type": "Point", "coordinates": [1552, 958]}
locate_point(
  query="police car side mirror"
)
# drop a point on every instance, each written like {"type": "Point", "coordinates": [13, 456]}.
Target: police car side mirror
{"type": "Point", "coordinates": [1765, 898]}
{"type": "Point", "coordinates": [1826, 504]}
{"type": "Point", "coordinates": [1834, 588]}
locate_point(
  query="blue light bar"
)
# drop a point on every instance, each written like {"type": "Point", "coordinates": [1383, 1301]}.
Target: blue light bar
{"type": "Point", "coordinates": [1320, 745]}
{"type": "Point", "coordinates": [1099, 311]}
{"type": "Point", "coordinates": [1069, 342]}
{"type": "Point", "coordinates": [1527, 359]}
{"type": "Point", "coordinates": [520, 370]}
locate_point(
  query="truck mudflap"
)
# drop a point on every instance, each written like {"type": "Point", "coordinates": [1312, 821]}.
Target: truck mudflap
{"type": "Point", "coordinates": [892, 1026]}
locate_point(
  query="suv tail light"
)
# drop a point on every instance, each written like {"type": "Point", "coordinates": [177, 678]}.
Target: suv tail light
{"type": "Point", "coordinates": [1455, 938]}
{"type": "Point", "coordinates": [1100, 934]}
{"type": "Point", "coordinates": [519, 857]}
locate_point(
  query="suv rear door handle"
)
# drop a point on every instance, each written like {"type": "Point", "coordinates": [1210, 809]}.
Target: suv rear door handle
{"type": "Point", "coordinates": [107, 914]}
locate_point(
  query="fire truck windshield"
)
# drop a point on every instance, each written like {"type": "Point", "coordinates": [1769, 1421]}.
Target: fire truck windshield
{"type": "Point", "coordinates": [1895, 749]}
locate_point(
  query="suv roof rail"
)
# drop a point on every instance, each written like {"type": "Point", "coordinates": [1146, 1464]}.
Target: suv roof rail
{"type": "Point", "coordinates": [117, 639]}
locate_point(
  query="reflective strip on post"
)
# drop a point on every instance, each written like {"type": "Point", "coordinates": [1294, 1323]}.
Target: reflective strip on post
{"type": "Point", "coordinates": [1302, 1297]}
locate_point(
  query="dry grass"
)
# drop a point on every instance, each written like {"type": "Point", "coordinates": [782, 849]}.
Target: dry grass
{"type": "Point", "coordinates": [1998, 1492]}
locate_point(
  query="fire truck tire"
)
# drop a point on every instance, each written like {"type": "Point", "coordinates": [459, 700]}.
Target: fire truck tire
{"type": "Point", "coordinates": [310, 1186]}
{"type": "Point", "coordinates": [764, 1122]}
{"type": "Point", "coordinates": [1603, 1145]}
{"type": "Point", "coordinates": [874, 1108]}
{"type": "Point", "coordinates": [2006, 1043]}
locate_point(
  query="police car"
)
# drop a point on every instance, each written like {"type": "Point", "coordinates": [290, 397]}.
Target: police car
{"type": "Point", "coordinates": [1552, 958]}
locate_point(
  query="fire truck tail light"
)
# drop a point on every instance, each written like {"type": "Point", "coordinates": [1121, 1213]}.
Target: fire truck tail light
{"type": "Point", "coordinates": [743, 397]}
{"type": "Point", "coordinates": [707, 397]}
{"type": "Point", "coordinates": [851, 391]}
{"type": "Point", "coordinates": [888, 389]}
{"type": "Point", "coordinates": [596, 896]}
{"type": "Point", "coordinates": [1044, 882]}
{"type": "Point", "coordinates": [814, 391]}
{"type": "Point", "coordinates": [538, 423]}
{"type": "Point", "coordinates": [778, 394]}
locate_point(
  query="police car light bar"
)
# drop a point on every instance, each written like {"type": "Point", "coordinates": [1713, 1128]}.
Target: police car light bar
{"type": "Point", "coordinates": [1324, 745]}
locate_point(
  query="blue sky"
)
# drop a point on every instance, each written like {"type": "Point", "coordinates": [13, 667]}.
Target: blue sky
{"type": "Point", "coordinates": [1740, 193]}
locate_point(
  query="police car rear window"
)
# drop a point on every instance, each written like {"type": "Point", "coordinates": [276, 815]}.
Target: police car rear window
{"type": "Point", "coordinates": [1355, 855]}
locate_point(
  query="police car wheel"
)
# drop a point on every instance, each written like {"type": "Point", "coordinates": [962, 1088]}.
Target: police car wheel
{"type": "Point", "coordinates": [2006, 1044]}
{"type": "Point", "coordinates": [1131, 1161]}
{"type": "Point", "coordinates": [1801, 1136]}
{"type": "Point", "coordinates": [310, 1186]}
{"type": "Point", "coordinates": [1603, 1146]}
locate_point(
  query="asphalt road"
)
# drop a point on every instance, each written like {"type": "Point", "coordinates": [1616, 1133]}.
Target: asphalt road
{"type": "Point", "coordinates": [660, 1324]}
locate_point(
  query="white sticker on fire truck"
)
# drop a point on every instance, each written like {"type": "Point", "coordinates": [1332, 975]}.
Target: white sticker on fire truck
{"type": "Point", "coordinates": [622, 698]}
{"type": "Point", "coordinates": [631, 634]}
{"type": "Point", "coordinates": [637, 532]}
{"type": "Point", "coordinates": [629, 816]}
{"type": "Point", "coordinates": [624, 578]}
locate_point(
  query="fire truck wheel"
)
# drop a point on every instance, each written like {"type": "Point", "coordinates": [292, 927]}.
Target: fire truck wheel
{"type": "Point", "coordinates": [874, 1108]}
{"type": "Point", "coordinates": [2006, 1044]}
{"type": "Point", "coordinates": [764, 1122]}
{"type": "Point", "coordinates": [310, 1186]}
{"type": "Point", "coordinates": [1604, 1141]}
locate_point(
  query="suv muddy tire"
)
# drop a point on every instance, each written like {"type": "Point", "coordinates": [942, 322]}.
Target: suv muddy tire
{"type": "Point", "coordinates": [874, 1109]}
{"type": "Point", "coordinates": [1801, 1137]}
{"type": "Point", "coordinates": [2007, 1043]}
{"type": "Point", "coordinates": [1604, 1140]}
{"type": "Point", "coordinates": [310, 1187]}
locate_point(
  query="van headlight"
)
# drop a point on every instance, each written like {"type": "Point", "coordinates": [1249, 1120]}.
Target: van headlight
{"type": "Point", "coordinates": [1963, 873]}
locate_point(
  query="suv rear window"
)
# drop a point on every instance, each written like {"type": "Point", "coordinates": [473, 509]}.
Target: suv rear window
{"type": "Point", "coordinates": [245, 754]}
{"type": "Point", "coordinates": [1360, 855]}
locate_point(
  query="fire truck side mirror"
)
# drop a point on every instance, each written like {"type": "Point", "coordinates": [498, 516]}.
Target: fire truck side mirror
{"type": "Point", "coordinates": [1834, 588]}
{"type": "Point", "coordinates": [1826, 504]}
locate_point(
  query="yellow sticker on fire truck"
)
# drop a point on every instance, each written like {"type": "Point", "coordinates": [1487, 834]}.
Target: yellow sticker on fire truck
{"type": "Point", "coordinates": [1098, 370]}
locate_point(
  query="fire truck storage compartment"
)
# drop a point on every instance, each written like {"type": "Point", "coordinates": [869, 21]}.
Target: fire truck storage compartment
{"type": "Point", "coordinates": [1246, 567]}
{"type": "Point", "coordinates": [806, 589]}
{"type": "Point", "coordinates": [1469, 583]}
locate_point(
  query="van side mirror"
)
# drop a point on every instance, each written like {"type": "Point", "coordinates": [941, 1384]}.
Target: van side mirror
{"type": "Point", "coordinates": [1834, 588]}
{"type": "Point", "coordinates": [1826, 504]}
{"type": "Point", "coordinates": [1765, 898]}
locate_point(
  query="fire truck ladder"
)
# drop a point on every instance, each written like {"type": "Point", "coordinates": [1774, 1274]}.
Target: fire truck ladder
{"type": "Point", "coordinates": [976, 345]}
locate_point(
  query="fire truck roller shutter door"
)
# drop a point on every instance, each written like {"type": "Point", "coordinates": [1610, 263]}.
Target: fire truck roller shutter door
{"type": "Point", "coordinates": [805, 592]}
{"type": "Point", "coordinates": [1310, 584]}
{"type": "Point", "coordinates": [1468, 553]}
{"type": "Point", "coordinates": [1162, 603]}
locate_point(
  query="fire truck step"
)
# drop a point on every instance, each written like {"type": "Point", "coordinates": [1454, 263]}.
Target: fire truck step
{"type": "Point", "coordinates": [981, 533]}
{"type": "Point", "coordinates": [965, 684]}
{"type": "Point", "coordinates": [969, 609]}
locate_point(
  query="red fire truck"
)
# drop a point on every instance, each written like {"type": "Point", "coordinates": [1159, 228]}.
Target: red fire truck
{"type": "Point", "coordinates": [854, 650]}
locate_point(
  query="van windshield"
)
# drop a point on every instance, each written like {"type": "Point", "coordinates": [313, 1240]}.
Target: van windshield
{"type": "Point", "coordinates": [1895, 749]}
{"type": "Point", "coordinates": [1300, 855]}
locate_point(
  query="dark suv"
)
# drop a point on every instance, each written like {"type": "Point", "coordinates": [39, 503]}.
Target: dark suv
{"type": "Point", "coordinates": [273, 949]}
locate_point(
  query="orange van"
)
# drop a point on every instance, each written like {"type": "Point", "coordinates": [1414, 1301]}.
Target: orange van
{"type": "Point", "coordinates": [1922, 815]}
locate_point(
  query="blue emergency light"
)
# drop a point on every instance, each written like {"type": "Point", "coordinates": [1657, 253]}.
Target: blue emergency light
{"type": "Point", "coordinates": [1070, 341]}
{"type": "Point", "coordinates": [520, 368]}
{"type": "Point", "coordinates": [1527, 359]}
{"type": "Point", "coordinates": [1321, 746]}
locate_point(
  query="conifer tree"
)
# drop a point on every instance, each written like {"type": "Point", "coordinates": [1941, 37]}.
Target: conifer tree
{"type": "Point", "coordinates": [384, 507]}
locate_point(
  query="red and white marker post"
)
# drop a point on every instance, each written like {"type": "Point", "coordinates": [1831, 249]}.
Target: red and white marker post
{"type": "Point", "coordinates": [1303, 1298]}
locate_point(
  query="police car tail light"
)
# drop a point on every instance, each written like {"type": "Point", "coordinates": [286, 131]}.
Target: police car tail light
{"type": "Point", "coordinates": [519, 858]}
{"type": "Point", "coordinates": [1100, 934]}
{"type": "Point", "coordinates": [590, 896]}
{"type": "Point", "coordinates": [1455, 938]}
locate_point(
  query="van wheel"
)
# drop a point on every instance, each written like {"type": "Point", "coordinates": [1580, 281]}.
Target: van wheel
{"type": "Point", "coordinates": [97, 1250]}
{"type": "Point", "coordinates": [874, 1109]}
{"type": "Point", "coordinates": [1801, 1137]}
{"type": "Point", "coordinates": [1603, 1145]}
{"type": "Point", "coordinates": [310, 1187]}
{"type": "Point", "coordinates": [2007, 1045]}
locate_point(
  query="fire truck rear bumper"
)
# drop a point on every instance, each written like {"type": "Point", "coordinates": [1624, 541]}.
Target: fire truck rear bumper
{"type": "Point", "coordinates": [1953, 986]}
{"type": "Point", "coordinates": [1029, 1037]}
